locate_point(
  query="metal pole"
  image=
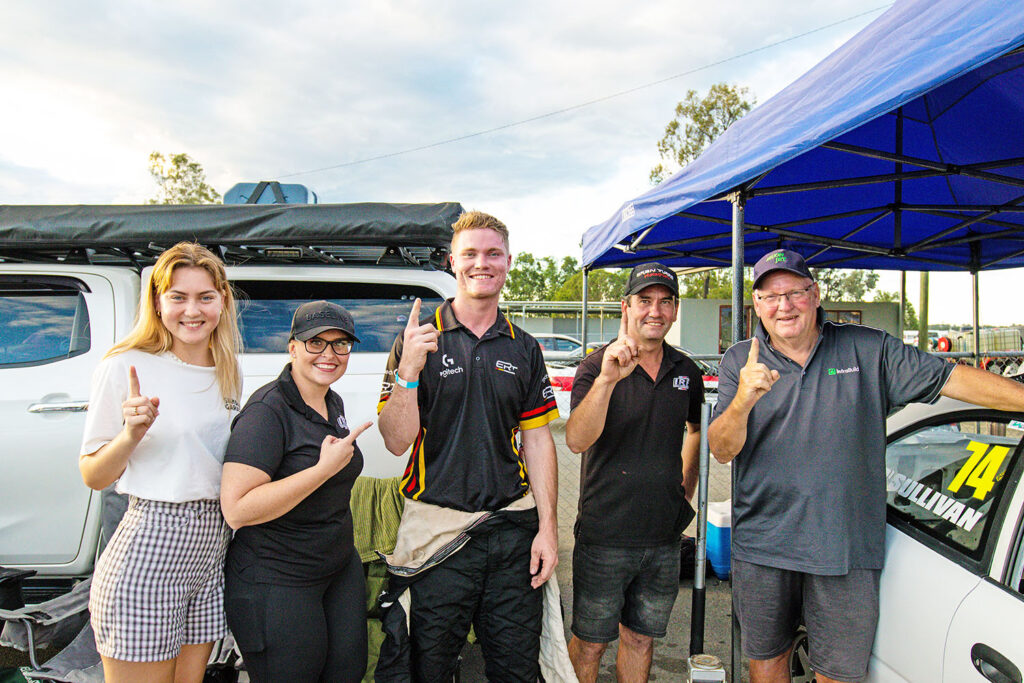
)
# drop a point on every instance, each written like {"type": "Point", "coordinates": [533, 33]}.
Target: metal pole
{"type": "Point", "coordinates": [699, 593]}
{"type": "Point", "coordinates": [977, 320]}
{"type": "Point", "coordinates": [738, 332]}
{"type": "Point", "coordinates": [903, 302]}
{"type": "Point", "coordinates": [738, 319]}
{"type": "Point", "coordinates": [583, 333]}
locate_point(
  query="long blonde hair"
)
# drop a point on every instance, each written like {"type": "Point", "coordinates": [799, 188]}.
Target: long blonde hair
{"type": "Point", "coordinates": [149, 333]}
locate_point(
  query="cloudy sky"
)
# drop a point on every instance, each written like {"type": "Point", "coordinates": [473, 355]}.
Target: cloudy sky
{"type": "Point", "coordinates": [335, 94]}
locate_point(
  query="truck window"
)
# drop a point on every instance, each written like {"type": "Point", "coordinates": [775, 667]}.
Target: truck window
{"type": "Point", "coordinates": [42, 320]}
{"type": "Point", "coordinates": [380, 310]}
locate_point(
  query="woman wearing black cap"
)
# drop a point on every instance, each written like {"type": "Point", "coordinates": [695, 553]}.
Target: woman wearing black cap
{"type": "Point", "coordinates": [295, 596]}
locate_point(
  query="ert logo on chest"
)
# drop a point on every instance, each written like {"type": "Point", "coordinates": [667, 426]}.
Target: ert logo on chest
{"type": "Point", "coordinates": [682, 383]}
{"type": "Point", "coordinates": [505, 366]}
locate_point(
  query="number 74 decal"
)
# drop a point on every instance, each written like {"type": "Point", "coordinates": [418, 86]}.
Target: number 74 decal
{"type": "Point", "coordinates": [980, 470]}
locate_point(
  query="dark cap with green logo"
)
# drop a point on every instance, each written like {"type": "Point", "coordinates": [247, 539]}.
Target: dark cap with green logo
{"type": "Point", "coordinates": [780, 259]}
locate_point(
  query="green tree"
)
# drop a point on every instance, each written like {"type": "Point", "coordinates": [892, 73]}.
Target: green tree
{"type": "Point", "coordinates": [537, 279]}
{"type": "Point", "coordinates": [697, 122]}
{"type": "Point", "coordinates": [711, 284]}
{"type": "Point", "coordinates": [844, 285]}
{"type": "Point", "coordinates": [602, 285]}
{"type": "Point", "coordinates": [909, 314]}
{"type": "Point", "coordinates": [181, 180]}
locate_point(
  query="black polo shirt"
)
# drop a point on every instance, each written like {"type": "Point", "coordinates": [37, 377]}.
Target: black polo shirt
{"type": "Point", "coordinates": [474, 397]}
{"type": "Point", "coordinates": [810, 478]}
{"type": "Point", "coordinates": [278, 433]}
{"type": "Point", "coordinates": [631, 492]}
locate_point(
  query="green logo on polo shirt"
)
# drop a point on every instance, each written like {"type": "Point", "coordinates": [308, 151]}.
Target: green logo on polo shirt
{"type": "Point", "coordinates": [832, 371]}
{"type": "Point", "coordinates": [842, 371]}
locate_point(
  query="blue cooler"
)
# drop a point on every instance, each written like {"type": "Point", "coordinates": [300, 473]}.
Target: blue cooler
{"type": "Point", "coordinates": [719, 537]}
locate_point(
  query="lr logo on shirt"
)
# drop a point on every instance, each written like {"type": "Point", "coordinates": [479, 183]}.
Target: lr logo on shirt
{"type": "Point", "coordinates": [342, 422]}
{"type": "Point", "coordinates": [682, 383]}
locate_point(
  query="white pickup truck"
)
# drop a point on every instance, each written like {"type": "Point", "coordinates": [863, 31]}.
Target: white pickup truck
{"type": "Point", "coordinates": [69, 286]}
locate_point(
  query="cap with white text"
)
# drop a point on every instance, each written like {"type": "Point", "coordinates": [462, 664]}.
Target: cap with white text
{"type": "Point", "coordinates": [314, 317]}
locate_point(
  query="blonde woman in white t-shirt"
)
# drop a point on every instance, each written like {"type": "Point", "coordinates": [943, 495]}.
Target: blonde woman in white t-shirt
{"type": "Point", "coordinates": [159, 419]}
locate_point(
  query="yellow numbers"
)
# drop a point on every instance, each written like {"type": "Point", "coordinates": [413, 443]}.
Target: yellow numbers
{"type": "Point", "coordinates": [980, 470]}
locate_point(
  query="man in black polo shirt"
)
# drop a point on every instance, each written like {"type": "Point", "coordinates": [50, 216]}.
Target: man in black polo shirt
{"type": "Point", "coordinates": [469, 392]}
{"type": "Point", "coordinates": [636, 418]}
{"type": "Point", "coordinates": [802, 408]}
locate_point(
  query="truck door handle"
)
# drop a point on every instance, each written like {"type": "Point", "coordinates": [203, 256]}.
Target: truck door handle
{"type": "Point", "coordinates": [993, 665]}
{"type": "Point", "coordinates": [61, 407]}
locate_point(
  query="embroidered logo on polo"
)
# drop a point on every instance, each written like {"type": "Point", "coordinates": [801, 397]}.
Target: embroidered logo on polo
{"type": "Point", "coordinates": [505, 366]}
{"type": "Point", "coordinates": [682, 383]}
{"type": "Point", "coordinates": [448, 362]}
{"type": "Point", "coordinates": [843, 371]}
{"type": "Point", "coordinates": [342, 422]}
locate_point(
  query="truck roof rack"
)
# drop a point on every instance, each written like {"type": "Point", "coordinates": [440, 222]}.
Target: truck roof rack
{"type": "Point", "coordinates": [415, 235]}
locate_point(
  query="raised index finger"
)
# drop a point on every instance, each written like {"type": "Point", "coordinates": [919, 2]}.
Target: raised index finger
{"type": "Point", "coordinates": [414, 315]}
{"type": "Point", "coordinates": [134, 390]}
{"type": "Point", "coordinates": [754, 348]}
{"type": "Point", "coordinates": [354, 434]}
{"type": "Point", "coordinates": [623, 332]}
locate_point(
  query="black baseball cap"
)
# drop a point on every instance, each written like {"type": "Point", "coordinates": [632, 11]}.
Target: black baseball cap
{"type": "Point", "coordinates": [314, 317]}
{"type": "Point", "coordinates": [781, 259]}
{"type": "Point", "coordinates": [647, 274]}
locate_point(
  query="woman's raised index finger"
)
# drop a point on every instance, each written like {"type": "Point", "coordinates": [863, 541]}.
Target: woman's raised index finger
{"type": "Point", "coordinates": [354, 434]}
{"type": "Point", "coordinates": [134, 390]}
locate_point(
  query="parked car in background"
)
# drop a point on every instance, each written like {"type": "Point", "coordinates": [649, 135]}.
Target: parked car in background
{"type": "Point", "coordinates": [559, 347]}
{"type": "Point", "coordinates": [70, 279]}
{"type": "Point", "coordinates": [952, 609]}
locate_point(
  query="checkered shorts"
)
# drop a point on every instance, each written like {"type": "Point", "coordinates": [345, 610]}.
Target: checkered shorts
{"type": "Point", "coordinates": [160, 582]}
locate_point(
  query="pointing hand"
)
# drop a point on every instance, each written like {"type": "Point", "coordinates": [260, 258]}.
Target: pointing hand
{"type": "Point", "coordinates": [138, 411]}
{"type": "Point", "coordinates": [756, 379]}
{"type": "Point", "coordinates": [622, 355]}
{"type": "Point", "coordinates": [417, 341]}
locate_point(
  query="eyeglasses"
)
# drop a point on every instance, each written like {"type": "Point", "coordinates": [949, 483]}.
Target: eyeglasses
{"type": "Point", "coordinates": [796, 296]}
{"type": "Point", "coordinates": [342, 347]}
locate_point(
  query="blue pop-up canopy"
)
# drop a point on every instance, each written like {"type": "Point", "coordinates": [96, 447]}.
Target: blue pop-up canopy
{"type": "Point", "coordinates": [904, 149]}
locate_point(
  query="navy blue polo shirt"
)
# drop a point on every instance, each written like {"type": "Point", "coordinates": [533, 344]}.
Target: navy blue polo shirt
{"type": "Point", "coordinates": [810, 479]}
{"type": "Point", "coordinates": [278, 433]}
{"type": "Point", "coordinates": [474, 397]}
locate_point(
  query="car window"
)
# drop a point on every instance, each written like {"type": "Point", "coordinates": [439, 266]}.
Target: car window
{"type": "Point", "coordinates": [380, 311]}
{"type": "Point", "coordinates": [42, 320]}
{"type": "Point", "coordinates": [947, 480]}
{"type": "Point", "coordinates": [566, 345]}
{"type": "Point", "coordinates": [546, 343]}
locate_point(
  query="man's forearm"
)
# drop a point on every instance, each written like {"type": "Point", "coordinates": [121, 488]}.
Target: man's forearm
{"type": "Point", "coordinates": [586, 422]}
{"type": "Point", "coordinates": [542, 470]}
{"type": "Point", "coordinates": [399, 420]}
{"type": "Point", "coordinates": [691, 459]}
{"type": "Point", "coordinates": [728, 433]}
{"type": "Point", "coordinates": [984, 389]}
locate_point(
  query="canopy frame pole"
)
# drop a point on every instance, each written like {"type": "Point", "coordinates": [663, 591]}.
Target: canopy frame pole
{"type": "Point", "coordinates": [699, 597]}
{"type": "Point", "coordinates": [583, 325]}
{"type": "Point", "coordinates": [976, 314]}
{"type": "Point", "coordinates": [739, 201]}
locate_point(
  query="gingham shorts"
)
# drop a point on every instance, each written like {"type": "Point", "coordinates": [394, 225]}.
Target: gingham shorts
{"type": "Point", "coordinates": [160, 582]}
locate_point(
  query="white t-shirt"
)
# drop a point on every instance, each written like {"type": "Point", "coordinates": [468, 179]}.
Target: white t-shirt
{"type": "Point", "coordinates": [180, 457]}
